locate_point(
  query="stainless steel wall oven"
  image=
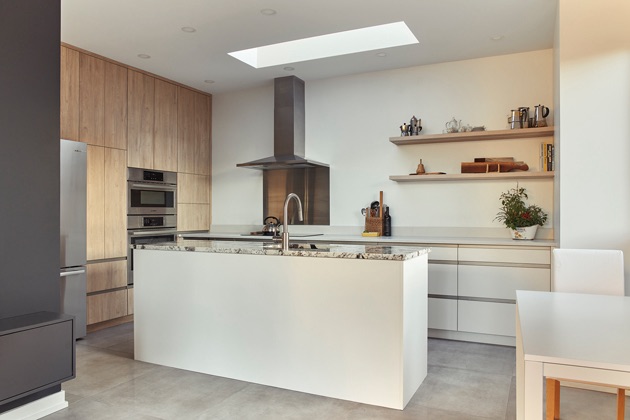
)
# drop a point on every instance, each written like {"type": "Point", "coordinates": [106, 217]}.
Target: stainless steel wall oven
{"type": "Point", "coordinates": [151, 192]}
{"type": "Point", "coordinates": [152, 210]}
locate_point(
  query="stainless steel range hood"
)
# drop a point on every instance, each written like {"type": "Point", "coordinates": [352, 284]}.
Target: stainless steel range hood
{"type": "Point", "coordinates": [289, 129]}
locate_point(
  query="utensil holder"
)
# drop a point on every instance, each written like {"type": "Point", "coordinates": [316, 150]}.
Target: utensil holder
{"type": "Point", "coordinates": [374, 224]}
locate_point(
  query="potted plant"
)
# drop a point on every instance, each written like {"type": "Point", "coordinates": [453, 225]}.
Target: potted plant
{"type": "Point", "coordinates": [521, 219]}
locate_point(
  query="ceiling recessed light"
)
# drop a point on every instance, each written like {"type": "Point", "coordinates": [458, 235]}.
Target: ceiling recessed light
{"type": "Point", "coordinates": [330, 45]}
{"type": "Point", "coordinates": [145, 56]}
{"type": "Point", "coordinates": [289, 68]}
{"type": "Point", "coordinates": [208, 81]}
{"type": "Point", "coordinates": [268, 12]}
{"type": "Point", "coordinates": [189, 29]}
{"type": "Point", "coordinates": [381, 54]}
{"type": "Point", "coordinates": [497, 37]}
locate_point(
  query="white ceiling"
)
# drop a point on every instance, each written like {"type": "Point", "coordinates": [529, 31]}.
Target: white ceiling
{"type": "Point", "coordinates": [448, 30]}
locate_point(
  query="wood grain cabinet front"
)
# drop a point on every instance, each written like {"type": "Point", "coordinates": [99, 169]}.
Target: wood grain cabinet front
{"type": "Point", "coordinates": [105, 306]}
{"type": "Point", "coordinates": [69, 94]}
{"type": "Point", "coordinates": [106, 203]}
{"type": "Point", "coordinates": [106, 275]}
{"type": "Point", "coordinates": [193, 136]}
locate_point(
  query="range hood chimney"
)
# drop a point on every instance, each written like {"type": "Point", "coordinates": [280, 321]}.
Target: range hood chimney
{"type": "Point", "coordinates": [289, 129]}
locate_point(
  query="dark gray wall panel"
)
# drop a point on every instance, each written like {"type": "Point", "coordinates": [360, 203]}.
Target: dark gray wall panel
{"type": "Point", "coordinates": [29, 156]}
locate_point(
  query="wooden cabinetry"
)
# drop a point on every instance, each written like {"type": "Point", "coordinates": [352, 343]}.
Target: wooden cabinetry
{"type": "Point", "coordinates": [141, 96]}
{"type": "Point", "coordinates": [165, 130]}
{"type": "Point", "coordinates": [473, 136]}
{"type": "Point", "coordinates": [105, 306]}
{"type": "Point", "coordinates": [193, 137]}
{"type": "Point", "coordinates": [106, 275]}
{"type": "Point", "coordinates": [193, 142]}
{"type": "Point", "coordinates": [102, 102]}
{"type": "Point", "coordinates": [107, 203]}
{"type": "Point", "coordinates": [69, 94]}
{"type": "Point", "coordinates": [152, 123]}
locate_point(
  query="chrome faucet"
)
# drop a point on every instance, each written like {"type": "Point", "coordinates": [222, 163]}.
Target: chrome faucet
{"type": "Point", "coordinates": [285, 223]}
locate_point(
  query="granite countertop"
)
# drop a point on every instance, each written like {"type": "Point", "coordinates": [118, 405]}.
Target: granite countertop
{"type": "Point", "coordinates": [365, 252]}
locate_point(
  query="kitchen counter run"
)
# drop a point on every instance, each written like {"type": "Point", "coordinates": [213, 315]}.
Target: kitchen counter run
{"type": "Point", "coordinates": [321, 250]}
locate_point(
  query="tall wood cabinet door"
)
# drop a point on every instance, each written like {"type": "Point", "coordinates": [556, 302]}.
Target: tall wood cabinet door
{"type": "Point", "coordinates": [165, 132]}
{"type": "Point", "coordinates": [115, 123]}
{"type": "Point", "coordinates": [91, 100]}
{"type": "Point", "coordinates": [115, 193]}
{"type": "Point", "coordinates": [95, 202]}
{"type": "Point", "coordinates": [202, 134]}
{"type": "Point", "coordinates": [69, 94]}
{"type": "Point", "coordinates": [185, 130]}
{"type": "Point", "coordinates": [141, 102]}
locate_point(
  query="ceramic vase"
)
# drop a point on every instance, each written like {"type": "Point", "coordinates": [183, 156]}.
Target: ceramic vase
{"type": "Point", "coordinates": [527, 233]}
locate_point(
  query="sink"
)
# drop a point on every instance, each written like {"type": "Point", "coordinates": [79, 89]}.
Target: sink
{"type": "Point", "coordinates": [298, 247]}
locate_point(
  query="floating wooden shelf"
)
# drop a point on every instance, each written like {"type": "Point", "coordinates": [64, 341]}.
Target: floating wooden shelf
{"type": "Point", "coordinates": [474, 136]}
{"type": "Point", "coordinates": [472, 177]}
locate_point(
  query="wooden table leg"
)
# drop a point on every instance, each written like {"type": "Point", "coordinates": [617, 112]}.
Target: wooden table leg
{"type": "Point", "coordinates": [553, 399]}
{"type": "Point", "coordinates": [621, 403]}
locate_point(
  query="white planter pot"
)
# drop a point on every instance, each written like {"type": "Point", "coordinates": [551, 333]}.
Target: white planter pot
{"type": "Point", "coordinates": [527, 233]}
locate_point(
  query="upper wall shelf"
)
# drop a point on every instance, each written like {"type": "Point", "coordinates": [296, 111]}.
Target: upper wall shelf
{"type": "Point", "coordinates": [473, 177]}
{"type": "Point", "coordinates": [474, 136]}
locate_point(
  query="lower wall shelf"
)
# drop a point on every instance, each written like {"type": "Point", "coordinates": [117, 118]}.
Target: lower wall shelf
{"type": "Point", "coordinates": [472, 177]}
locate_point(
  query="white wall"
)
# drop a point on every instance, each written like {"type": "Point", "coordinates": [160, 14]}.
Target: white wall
{"type": "Point", "coordinates": [594, 90]}
{"type": "Point", "coordinates": [348, 124]}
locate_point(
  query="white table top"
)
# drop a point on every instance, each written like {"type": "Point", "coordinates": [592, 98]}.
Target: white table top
{"type": "Point", "coordinates": [575, 329]}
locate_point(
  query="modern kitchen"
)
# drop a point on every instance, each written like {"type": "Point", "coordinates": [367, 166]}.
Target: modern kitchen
{"type": "Point", "coordinates": [324, 228]}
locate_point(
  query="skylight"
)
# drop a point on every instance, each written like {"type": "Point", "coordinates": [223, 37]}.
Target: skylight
{"type": "Point", "coordinates": [331, 45]}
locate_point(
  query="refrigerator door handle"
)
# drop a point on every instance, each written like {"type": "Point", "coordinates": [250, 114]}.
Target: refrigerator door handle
{"type": "Point", "coordinates": [71, 273]}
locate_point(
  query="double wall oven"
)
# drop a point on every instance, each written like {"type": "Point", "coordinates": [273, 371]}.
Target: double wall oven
{"type": "Point", "coordinates": [151, 211]}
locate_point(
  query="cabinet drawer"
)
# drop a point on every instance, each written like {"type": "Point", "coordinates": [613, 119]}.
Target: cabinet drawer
{"type": "Point", "coordinates": [514, 255]}
{"type": "Point", "coordinates": [500, 282]}
{"type": "Point", "coordinates": [106, 275]}
{"type": "Point", "coordinates": [106, 306]}
{"type": "Point", "coordinates": [442, 314]}
{"type": "Point", "coordinates": [443, 279]}
{"type": "Point", "coordinates": [486, 317]}
{"type": "Point", "coordinates": [442, 253]}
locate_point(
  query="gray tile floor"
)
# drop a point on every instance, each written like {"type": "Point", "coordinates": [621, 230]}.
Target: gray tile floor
{"type": "Point", "coordinates": [465, 381]}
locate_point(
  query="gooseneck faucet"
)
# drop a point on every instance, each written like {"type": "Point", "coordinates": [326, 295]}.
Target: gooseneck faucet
{"type": "Point", "coordinates": [285, 223]}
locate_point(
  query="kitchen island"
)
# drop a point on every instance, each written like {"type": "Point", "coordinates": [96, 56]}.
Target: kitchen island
{"type": "Point", "coordinates": [342, 321]}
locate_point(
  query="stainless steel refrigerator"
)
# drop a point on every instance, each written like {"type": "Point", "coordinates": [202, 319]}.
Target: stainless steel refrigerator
{"type": "Point", "coordinates": [73, 208]}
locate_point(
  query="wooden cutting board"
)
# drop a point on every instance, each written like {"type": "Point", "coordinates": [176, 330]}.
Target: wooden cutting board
{"type": "Point", "coordinates": [483, 167]}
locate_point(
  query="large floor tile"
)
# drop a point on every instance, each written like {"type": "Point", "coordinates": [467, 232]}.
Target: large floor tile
{"type": "Point", "coordinates": [464, 391]}
{"type": "Point", "coordinates": [99, 370]}
{"type": "Point", "coordinates": [472, 356]}
{"type": "Point", "coordinates": [171, 393]}
{"type": "Point", "coordinates": [88, 408]}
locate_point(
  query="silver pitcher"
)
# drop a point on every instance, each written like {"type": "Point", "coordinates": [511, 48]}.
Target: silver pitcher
{"type": "Point", "coordinates": [540, 115]}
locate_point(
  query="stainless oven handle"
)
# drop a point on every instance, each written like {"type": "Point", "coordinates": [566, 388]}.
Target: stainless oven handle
{"type": "Point", "coordinates": [153, 232]}
{"type": "Point", "coordinates": [156, 187]}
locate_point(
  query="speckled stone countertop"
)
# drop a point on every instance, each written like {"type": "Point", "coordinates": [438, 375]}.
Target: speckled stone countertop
{"type": "Point", "coordinates": [365, 252]}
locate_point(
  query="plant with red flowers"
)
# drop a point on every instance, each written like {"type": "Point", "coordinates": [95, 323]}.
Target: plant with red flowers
{"type": "Point", "coordinates": [515, 213]}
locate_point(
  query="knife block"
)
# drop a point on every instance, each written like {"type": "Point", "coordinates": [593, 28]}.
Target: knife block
{"type": "Point", "coordinates": [374, 224]}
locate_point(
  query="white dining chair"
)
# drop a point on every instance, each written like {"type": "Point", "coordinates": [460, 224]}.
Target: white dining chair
{"type": "Point", "coordinates": [593, 271]}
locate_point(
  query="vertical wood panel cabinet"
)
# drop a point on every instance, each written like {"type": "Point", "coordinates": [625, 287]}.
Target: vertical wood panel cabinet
{"type": "Point", "coordinates": [166, 124]}
{"type": "Point", "coordinates": [106, 275]}
{"type": "Point", "coordinates": [107, 203]}
{"type": "Point", "coordinates": [91, 100]}
{"type": "Point", "coordinates": [193, 143]}
{"type": "Point", "coordinates": [102, 102]}
{"type": "Point", "coordinates": [141, 97]}
{"type": "Point", "coordinates": [115, 106]}
{"type": "Point", "coordinates": [69, 94]}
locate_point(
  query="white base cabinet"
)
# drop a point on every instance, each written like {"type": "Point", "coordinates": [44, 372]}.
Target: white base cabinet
{"type": "Point", "coordinates": [472, 289]}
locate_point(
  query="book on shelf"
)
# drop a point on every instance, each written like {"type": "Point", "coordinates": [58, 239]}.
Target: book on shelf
{"type": "Point", "coordinates": [547, 157]}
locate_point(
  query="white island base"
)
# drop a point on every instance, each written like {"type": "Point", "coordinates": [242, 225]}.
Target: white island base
{"type": "Point", "coordinates": [353, 329]}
